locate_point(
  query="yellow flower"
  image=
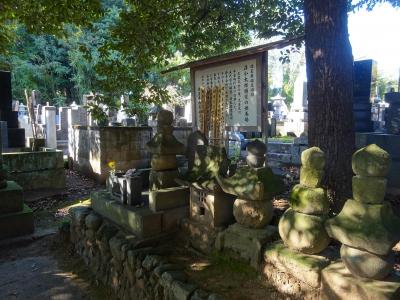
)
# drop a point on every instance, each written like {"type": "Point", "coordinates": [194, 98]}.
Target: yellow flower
{"type": "Point", "coordinates": [111, 165]}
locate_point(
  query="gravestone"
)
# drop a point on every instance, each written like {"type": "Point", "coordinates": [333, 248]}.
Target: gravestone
{"type": "Point", "coordinates": [51, 127]}
{"type": "Point", "coordinates": [16, 136]}
{"type": "Point", "coordinates": [392, 120]}
{"type": "Point", "coordinates": [364, 82]}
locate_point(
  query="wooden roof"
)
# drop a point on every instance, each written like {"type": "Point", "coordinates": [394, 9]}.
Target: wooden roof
{"type": "Point", "coordinates": [236, 54]}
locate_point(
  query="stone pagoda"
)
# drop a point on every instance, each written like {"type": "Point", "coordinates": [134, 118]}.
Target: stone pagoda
{"type": "Point", "coordinates": [165, 192]}
{"type": "Point", "coordinates": [254, 186]}
{"type": "Point", "coordinates": [367, 226]}
{"type": "Point", "coordinates": [302, 225]}
{"type": "Point", "coordinates": [16, 218]}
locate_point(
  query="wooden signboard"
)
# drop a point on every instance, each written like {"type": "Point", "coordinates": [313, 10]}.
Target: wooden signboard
{"type": "Point", "coordinates": [244, 81]}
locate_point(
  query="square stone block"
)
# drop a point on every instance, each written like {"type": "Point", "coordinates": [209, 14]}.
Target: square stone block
{"type": "Point", "coordinates": [16, 224]}
{"type": "Point", "coordinates": [303, 267]}
{"type": "Point", "coordinates": [168, 198]}
{"type": "Point", "coordinates": [246, 243]}
{"type": "Point", "coordinates": [141, 221]}
{"type": "Point", "coordinates": [339, 283]}
{"type": "Point", "coordinates": [11, 198]}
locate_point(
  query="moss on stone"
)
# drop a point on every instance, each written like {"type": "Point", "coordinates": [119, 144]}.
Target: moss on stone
{"type": "Point", "coordinates": [309, 200]}
{"type": "Point", "coordinates": [313, 158]}
{"type": "Point", "coordinates": [371, 161]}
{"type": "Point", "coordinates": [369, 189]}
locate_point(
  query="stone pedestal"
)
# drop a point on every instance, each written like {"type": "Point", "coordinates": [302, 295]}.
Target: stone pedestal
{"type": "Point", "coordinates": [339, 283]}
{"type": "Point", "coordinates": [15, 217]}
{"type": "Point", "coordinates": [294, 273]}
{"type": "Point", "coordinates": [246, 243]}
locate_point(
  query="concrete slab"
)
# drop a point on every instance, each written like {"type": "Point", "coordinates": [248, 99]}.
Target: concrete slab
{"type": "Point", "coordinates": [16, 224]}
{"type": "Point", "coordinates": [140, 221]}
{"type": "Point", "coordinates": [339, 283]}
{"type": "Point", "coordinates": [11, 198]}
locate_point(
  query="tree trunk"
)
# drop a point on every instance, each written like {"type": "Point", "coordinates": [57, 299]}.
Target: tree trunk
{"type": "Point", "coordinates": [329, 62]}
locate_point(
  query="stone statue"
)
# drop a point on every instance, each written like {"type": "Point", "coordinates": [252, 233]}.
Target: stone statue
{"type": "Point", "coordinates": [367, 226]}
{"type": "Point", "coordinates": [301, 227]}
{"type": "Point", "coordinates": [254, 186]}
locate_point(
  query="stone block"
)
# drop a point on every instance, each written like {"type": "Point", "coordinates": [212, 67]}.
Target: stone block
{"type": "Point", "coordinates": [171, 217]}
{"type": "Point", "coordinates": [11, 198]}
{"type": "Point", "coordinates": [200, 236]}
{"type": "Point", "coordinates": [313, 158]}
{"type": "Point", "coordinates": [16, 224]}
{"type": "Point", "coordinates": [311, 177]}
{"type": "Point", "coordinates": [245, 242]}
{"type": "Point", "coordinates": [302, 232]}
{"type": "Point", "coordinates": [371, 161]}
{"type": "Point", "coordinates": [309, 200]}
{"type": "Point", "coordinates": [50, 178]}
{"type": "Point", "coordinates": [339, 283]}
{"type": "Point", "coordinates": [168, 198]}
{"type": "Point", "coordinates": [212, 208]}
{"type": "Point", "coordinates": [369, 190]}
{"type": "Point", "coordinates": [163, 179]}
{"type": "Point", "coordinates": [304, 267]}
{"type": "Point", "coordinates": [140, 221]}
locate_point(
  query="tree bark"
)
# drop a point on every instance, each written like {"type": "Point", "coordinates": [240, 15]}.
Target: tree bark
{"type": "Point", "coordinates": [329, 63]}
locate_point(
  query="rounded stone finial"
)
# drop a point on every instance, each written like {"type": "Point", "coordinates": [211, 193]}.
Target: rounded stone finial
{"type": "Point", "coordinates": [256, 148]}
{"type": "Point", "coordinates": [165, 117]}
{"type": "Point", "coordinates": [313, 158]}
{"type": "Point", "coordinates": [371, 161]}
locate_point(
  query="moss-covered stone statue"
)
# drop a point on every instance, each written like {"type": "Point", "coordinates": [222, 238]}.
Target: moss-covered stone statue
{"type": "Point", "coordinates": [366, 226]}
{"type": "Point", "coordinates": [254, 185]}
{"type": "Point", "coordinates": [302, 225]}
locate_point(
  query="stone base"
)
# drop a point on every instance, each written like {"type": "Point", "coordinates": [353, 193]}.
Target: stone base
{"type": "Point", "coordinates": [16, 224]}
{"type": "Point", "coordinates": [292, 272]}
{"type": "Point", "coordinates": [246, 243]}
{"type": "Point", "coordinates": [140, 221]}
{"type": "Point", "coordinates": [172, 218]}
{"type": "Point", "coordinates": [339, 283]}
{"type": "Point", "coordinates": [200, 236]}
{"type": "Point", "coordinates": [11, 198]}
{"type": "Point", "coordinates": [168, 198]}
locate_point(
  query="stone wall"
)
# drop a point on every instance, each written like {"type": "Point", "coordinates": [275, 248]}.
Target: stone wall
{"type": "Point", "coordinates": [131, 267]}
{"type": "Point", "coordinates": [92, 148]}
{"type": "Point", "coordinates": [36, 170]}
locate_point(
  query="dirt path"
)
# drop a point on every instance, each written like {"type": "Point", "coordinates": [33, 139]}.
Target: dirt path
{"type": "Point", "coordinates": [46, 269]}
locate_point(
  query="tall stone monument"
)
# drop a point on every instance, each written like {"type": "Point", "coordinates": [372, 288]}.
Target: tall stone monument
{"type": "Point", "coordinates": [302, 225]}
{"type": "Point", "coordinates": [16, 136]}
{"type": "Point", "coordinates": [367, 226]}
{"type": "Point", "coordinates": [16, 218]}
{"type": "Point", "coordinates": [254, 186]}
{"type": "Point", "coordinates": [165, 193]}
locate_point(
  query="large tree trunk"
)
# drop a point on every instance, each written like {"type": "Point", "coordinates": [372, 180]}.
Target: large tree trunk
{"type": "Point", "coordinates": [329, 63]}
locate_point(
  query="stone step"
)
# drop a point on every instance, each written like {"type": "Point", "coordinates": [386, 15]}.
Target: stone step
{"type": "Point", "coordinates": [11, 198]}
{"type": "Point", "coordinates": [141, 221]}
{"type": "Point", "coordinates": [16, 224]}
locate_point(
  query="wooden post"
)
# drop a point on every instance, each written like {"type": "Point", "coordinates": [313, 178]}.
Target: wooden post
{"type": "Point", "coordinates": [264, 99]}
